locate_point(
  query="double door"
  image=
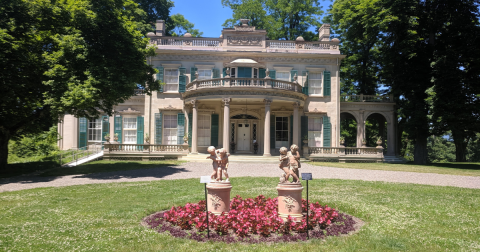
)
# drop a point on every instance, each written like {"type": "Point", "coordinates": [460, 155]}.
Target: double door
{"type": "Point", "coordinates": [243, 136]}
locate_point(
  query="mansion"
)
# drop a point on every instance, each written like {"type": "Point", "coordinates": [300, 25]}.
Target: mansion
{"type": "Point", "coordinates": [241, 92]}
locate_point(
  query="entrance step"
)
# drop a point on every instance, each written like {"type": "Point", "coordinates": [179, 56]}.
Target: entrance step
{"type": "Point", "coordinates": [235, 158]}
{"type": "Point", "coordinates": [394, 160]}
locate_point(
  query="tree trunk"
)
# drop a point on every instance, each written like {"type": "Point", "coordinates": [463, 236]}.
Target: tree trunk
{"type": "Point", "coordinates": [4, 138]}
{"type": "Point", "coordinates": [460, 146]}
{"type": "Point", "coordinates": [420, 152]}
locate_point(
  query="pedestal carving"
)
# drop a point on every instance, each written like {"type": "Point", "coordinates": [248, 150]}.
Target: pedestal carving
{"type": "Point", "coordinates": [218, 197]}
{"type": "Point", "coordinates": [290, 201]}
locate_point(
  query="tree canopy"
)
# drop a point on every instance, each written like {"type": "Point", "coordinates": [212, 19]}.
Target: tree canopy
{"type": "Point", "coordinates": [283, 19]}
{"type": "Point", "coordinates": [182, 26]}
{"type": "Point", "coordinates": [80, 57]}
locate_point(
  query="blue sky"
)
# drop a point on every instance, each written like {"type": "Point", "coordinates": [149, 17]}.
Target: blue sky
{"type": "Point", "coordinates": [209, 15]}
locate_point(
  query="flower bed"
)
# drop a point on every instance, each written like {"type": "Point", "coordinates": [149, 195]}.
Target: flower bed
{"type": "Point", "coordinates": [250, 220]}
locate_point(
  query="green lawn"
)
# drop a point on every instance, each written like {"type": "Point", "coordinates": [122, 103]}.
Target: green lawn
{"type": "Point", "coordinates": [106, 217]}
{"type": "Point", "coordinates": [464, 169]}
{"type": "Point", "coordinates": [45, 169]}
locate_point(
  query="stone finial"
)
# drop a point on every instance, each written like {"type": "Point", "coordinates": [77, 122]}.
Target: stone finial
{"type": "Point", "coordinates": [295, 77]}
{"type": "Point", "coordinates": [324, 33]}
{"type": "Point", "coordinates": [160, 27]}
{"type": "Point", "coordinates": [221, 36]}
{"type": "Point", "coordinates": [244, 22]}
{"type": "Point", "coordinates": [196, 75]}
{"type": "Point", "coordinates": [267, 74]}
{"type": "Point", "coordinates": [300, 38]}
{"type": "Point", "coordinates": [187, 35]}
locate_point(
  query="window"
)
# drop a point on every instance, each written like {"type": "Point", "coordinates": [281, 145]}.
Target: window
{"type": "Point", "coordinates": [285, 76]}
{"type": "Point", "coordinates": [170, 129]}
{"type": "Point", "coordinates": [204, 74]}
{"type": "Point", "coordinates": [281, 132]}
{"type": "Point", "coordinates": [232, 72]}
{"type": "Point", "coordinates": [95, 130]}
{"type": "Point", "coordinates": [171, 80]}
{"type": "Point", "coordinates": [232, 133]}
{"type": "Point", "coordinates": [314, 131]}
{"type": "Point", "coordinates": [255, 73]}
{"type": "Point", "coordinates": [315, 83]}
{"type": "Point", "coordinates": [130, 130]}
{"type": "Point", "coordinates": [204, 130]}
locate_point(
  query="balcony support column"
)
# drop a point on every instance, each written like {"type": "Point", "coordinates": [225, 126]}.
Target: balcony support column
{"type": "Point", "coordinates": [296, 120]}
{"type": "Point", "coordinates": [266, 135]}
{"type": "Point", "coordinates": [226, 124]}
{"type": "Point", "coordinates": [194, 126]}
{"type": "Point", "coordinates": [391, 138]}
{"type": "Point", "coordinates": [360, 129]}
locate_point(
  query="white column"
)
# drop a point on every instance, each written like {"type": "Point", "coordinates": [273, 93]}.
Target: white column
{"type": "Point", "coordinates": [194, 126]}
{"type": "Point", "coordinates": [226, 124]}
{"type": "Point", "coordinates": [391, 139]}
{"type": "Point", "coordinates": [360, 129]}
{"type": "Point", "coordinates": [296, 121]}
{"type": "Point", "coordinates": [266, 139]}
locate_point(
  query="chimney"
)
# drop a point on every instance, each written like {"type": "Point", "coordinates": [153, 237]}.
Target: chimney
{"type": "Point", "coordinates": [324, 33]}
{"type": "Point", "coordinates": [160, 28]}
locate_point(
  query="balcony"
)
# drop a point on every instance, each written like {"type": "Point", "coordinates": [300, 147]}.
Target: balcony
{"type": "Point", "coordinates": [366, 98]}
{"type": "Point", "coordinates": [344, 154]}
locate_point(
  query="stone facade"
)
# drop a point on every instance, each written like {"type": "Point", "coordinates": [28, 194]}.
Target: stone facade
{"type": "Point", "coordinates": [240, 88]}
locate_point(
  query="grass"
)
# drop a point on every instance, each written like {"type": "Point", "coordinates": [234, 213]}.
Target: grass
{"type": "Point", "coordinates": [463, 169]}
{"type": "Point", "coordinates": [106, 217]}
{"type": "Point", "coordinates": [45, 169]}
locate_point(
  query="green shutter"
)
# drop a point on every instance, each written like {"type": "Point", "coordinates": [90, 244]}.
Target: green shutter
{"type": "Point", "coordinates": [214, 131]}
{"type": "Point", "coordinates": [192, 73]}
{"type": "Point", "coordinates": [158, 128]}
{"type": "Point", "coordinates": [82, 132]}
{"type": "Point", "coordinates": [244, 72]}
{"type": "Point", "coordinates": [305, 83]}
{"type": "Point", "coordinates": [304, 127]}
{"type": "Point", "coordinates": [272, 132]}
{"type": "Point", "coordinates": [292, 74]}
{"type": "Point", "coordinates": [190, 129]}
{"type": "Point", "coordinates": [261, 73]}
{"type": "Point", "coordinates": [182, 80]}
{"type": "Point", "coordinates": [160, 77]}
{"type": "Point", "coordinates": [140, 131]}
{"type": "Point", "coordinates": [272, 74]}
{"type": "Point", "coordinates": [216, 73]}
{"type": "Point", "coordinates": [180, 127]}
{"type": "Point", "coordinates": [291, 129]}
{"type": "Point", "coordinates": [223, 76]}
{"type": "Point", "coordinates": [105, 127]}
{"type": "Point", "coordinates": [118, 128]}
{"type": "Point", "coordinates": [327, 132]}
{"type": "Point", "coordinates": [326, 83]}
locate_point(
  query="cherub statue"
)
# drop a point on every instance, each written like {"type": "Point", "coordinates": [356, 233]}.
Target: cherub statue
{"type": "Point", "coordinates": [222, 160]}
{"type": "Point", "coordinates": [213, 156]}
{"type": "Point", "coordinates": [284, 165]}
{"type": "Point", "coordinates": [220, 163]}
{"type": "Point", "coordinates": [294, 162]}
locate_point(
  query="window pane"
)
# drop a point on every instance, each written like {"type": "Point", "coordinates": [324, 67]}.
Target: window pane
{"type": "Point", "coordinates": [283, 76]}
{"type": "Point", "coordinates": [129, 122]}
{"type": "Point", "coordinates": [204, 74]}
{"type": "Point", "coordinates": [130, 136]}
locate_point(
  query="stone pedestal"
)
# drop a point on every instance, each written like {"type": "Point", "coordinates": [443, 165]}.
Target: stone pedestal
{"type": "Point", "coordinates": [290, 201]}
{"type": "Point", "coordinates": [218, 198]}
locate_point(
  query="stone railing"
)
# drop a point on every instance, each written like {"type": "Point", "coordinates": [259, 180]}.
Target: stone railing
{"type": "Point", "coordinates": [244, 82]}
{"type": "Point", "coordinates": [145, 148]}
{"type": "Point", "coordinates": [366, 98]}
{"type": "Point", "coordinates": [187, 43]}
{"type": "Point", "coordinates": [344, 153]}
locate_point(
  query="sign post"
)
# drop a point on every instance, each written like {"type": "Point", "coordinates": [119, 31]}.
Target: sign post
{"type": "Point", "coordinates": [204, 180]}
{"type": "Point", "coordinates": [307, 177]}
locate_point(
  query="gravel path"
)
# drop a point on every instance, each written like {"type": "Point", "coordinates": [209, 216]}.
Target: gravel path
{"type": "Point", "coordinates": [195, 170]}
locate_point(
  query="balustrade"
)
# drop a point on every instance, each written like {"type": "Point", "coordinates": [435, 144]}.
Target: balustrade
{"type": "Point", "coordinates": [145, 148]}
{"type": "Point", "coordinates": [366, 98]}
{"type": "Point", "coordinates": [244, 82]}
{"type": "Point", "coordinates": [344, 151]}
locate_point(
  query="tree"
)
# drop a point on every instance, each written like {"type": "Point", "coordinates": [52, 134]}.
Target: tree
{"type": "Point", "coordinates": [182, 26]}
{"type": "Point", "coordinates": [78, 57]}
{"type": "Point", "coordinates": [456, 71]}
{"type": "Point", "coordinates": [358, 24]}
{"type": "Point", "coordinates": [157, 9]}
{"type": "Point", "coordinates": [283, 19]}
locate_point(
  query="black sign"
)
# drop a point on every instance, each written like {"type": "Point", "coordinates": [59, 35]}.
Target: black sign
{"type": "Point", "coordinates": [306, 176]}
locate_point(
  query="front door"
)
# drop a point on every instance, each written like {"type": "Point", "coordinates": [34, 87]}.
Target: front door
{"type": "Point", "coordinates": [243, 137]}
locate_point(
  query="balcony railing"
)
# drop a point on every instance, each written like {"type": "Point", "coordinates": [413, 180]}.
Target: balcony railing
{"type": "Point", "coordinates": [188, 43]}
{"type": "Point", "coordinates": [145, 148]}
{"type": "Point", "coordinates": [366, 98]}
{"type": "Point", "coordinates": [369, 154]}
{"type": "Point", "coordinates": [244, 82]}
